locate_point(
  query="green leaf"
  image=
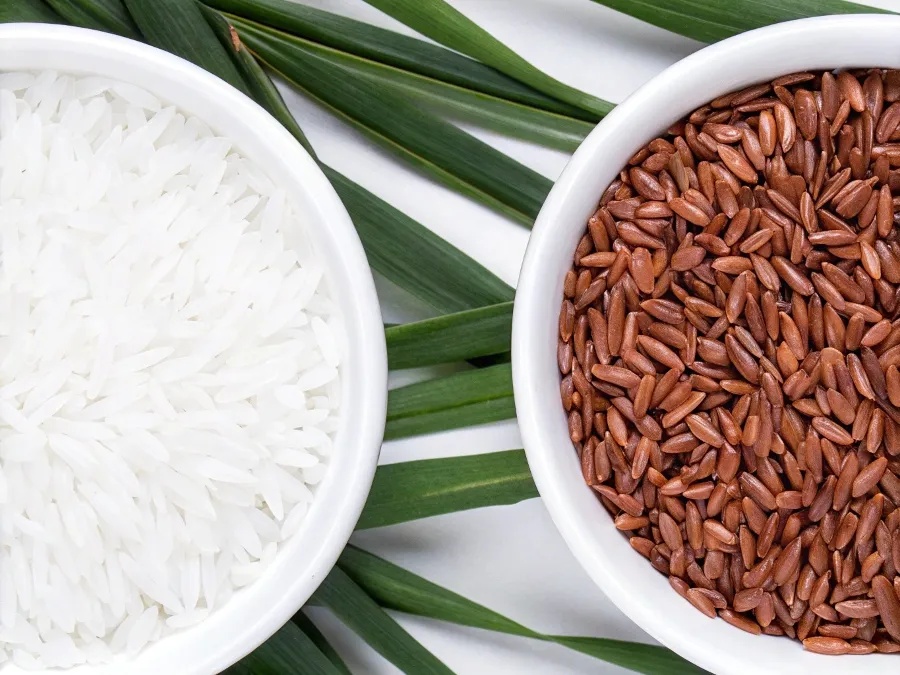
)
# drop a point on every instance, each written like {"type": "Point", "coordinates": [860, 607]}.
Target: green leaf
{"type": "Point", "coordinates": [456, 417]}
{"type": "Point", "coordinates": [390, 61]}
{"type": "Point", "coordinates": [305, 624]}
{"type": "Point", "coordinates": [635, 656]}
{"type": "Point", "coordinates": [27, 11]}
{"type": "Point", "coordinates": [413, 257]}
{"type": "Point", "coordinates": [393, 49]}
{"type": "Point", "coordinates": [289, 652]}
{"type": "Point", "coordinates": [395, 244]}
{"type": "Point", "coordinates": [436, 147]}
{"type": "Point", "coordinates": [453, 337]}
{"type": "Point", "coordinates": [260, 85]}
{"type": "Point", "coordinates": [444, 392]}
{"type": "Point", "coordinates": [398, 589]}
{"type": "Point", "coordinates": [75, 14]}
{"type": "Point", "coordinates": [713, 21]}
{"type": "Point", "coordinates": [444, 24]}
{"type": "Point", "coordinates": [505, 117]}
{"type": "Point", "coordinates": [460, 400]}
{"type": "Point", "coordinates": [359, 612]}
{"type": "Point", "coordinates": [429, 487]}
{"type": "Point", "coordinates": [510, 119]}
{"type": "Point", "coordinates": [107, 15]}
{"type": "Point", "coordinates": [178, 26]}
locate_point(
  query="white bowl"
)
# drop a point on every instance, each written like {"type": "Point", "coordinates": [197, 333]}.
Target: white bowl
{"type": "Point", "coordinates": [254, 613]}
{"type": "Point", "coordinates": [627, 578]}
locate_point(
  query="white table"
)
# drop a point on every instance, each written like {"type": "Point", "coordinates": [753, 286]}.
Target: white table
{"type": "Point", "coordinates": [509, 558]}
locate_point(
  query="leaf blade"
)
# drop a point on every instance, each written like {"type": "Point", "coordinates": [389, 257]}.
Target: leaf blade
{"type": "Point", "coordinates": [407, 53]}
{"type": "Point", "coordinates": [106, 15]}
{"type": "Point", "coordinates": [395, 244]}
{"type": "Point", "coordinates": [504, 116]}
{"type": "Point", "coordinates": [259, 84]}
{"type": "Point", "coordinates": [458, 389]}
{"type": "Point", "coordinates": [396, 588]}
{"type": "Point", "coordinates": [178, 26]}
{"type": "Point", "coordinates": [415, 258]}
{"type": "Point", "coordinates": [305, 624]}
{"type": "Point", "coordinates": [27, 11]}
{"type": "Point", "coordinates": [438, 148]}
{"type": "Point", "coordinates": [463, 399]}
{"type": "Point", "coordinates": [453, 337]}
{"type": "Point", "coordinates": [457, 417]}
{"type": "Point", "coordinates": [74, 14]}
{"type": "Point", "coordinates": [442, 23]}
{"type": "Point", "coordinates": [636, 656]}
{"type": "Point", "coordinates": [339, 593]}
{"type": "Point", "coordinates": [290, 650]}
{"type": "Point", "coordinates": [713, 21]}
{"type": "Point", "coordinates": [423, 488]}
{"type": "Point", "coordinates": [510, 119]}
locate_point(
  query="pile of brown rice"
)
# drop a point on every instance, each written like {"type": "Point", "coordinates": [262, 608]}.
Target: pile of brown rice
{"type": "Point", "coordinates": [729, 349]}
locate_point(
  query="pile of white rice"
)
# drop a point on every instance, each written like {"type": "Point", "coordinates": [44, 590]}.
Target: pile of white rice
{"type": "Point", "coordinates": [169, 383]}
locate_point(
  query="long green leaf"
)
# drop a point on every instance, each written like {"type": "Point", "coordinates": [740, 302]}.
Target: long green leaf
{"type": "Point", "coordinates": [289, 652]}
{"type": "Point", "coordinates": [641, 658]}
{"type": "Point", "coordinates": [305, 624]}
{"type": "Point", "coordinates": [390, 48]}
{"type": "Point", "coordinates": [358, 611]}
{"type": "Point", "coordinates": [415, 258]}
{"type": "Point", "coordinates": [75, 14]}
{"type": "Point", "coordinates": [371, 52]}
{"type": "Point", "coordinates": [30, 11]}
{"type": "Point", "coordinates": [395, 244]}
{"type": "Point", "coordinates": [459, 400]}
{"type": "Point", "coordinates": [398, 589]}
{"type": "Point", "coordinates": [260, 85]}
{"type": "Point", "coordinates": [507, 117]}
{"type": "Point", "coordinates": [442, 23]}
{"type": "Point", "coordinates": [463, 105]}
{"type": "Point", "coordinates": [453, 337]}
{"type": "Point", "coordinates": [470, 386]}
{"type": "Point", "coordinates": [178, 26]}
{"type": "Point", "coordinates": [456, 417]}
{"type": "Point", "coordinates": [434, 146]}
{"type": "Point", "coordinates": [713, 21]}
{"type": "Point", "coordinates": [108, 15]}
{"type": "Point", "coordinates": [430, 487]}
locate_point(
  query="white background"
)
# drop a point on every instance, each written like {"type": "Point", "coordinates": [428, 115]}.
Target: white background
{"type": "Point", "coordinates": [511, 558]}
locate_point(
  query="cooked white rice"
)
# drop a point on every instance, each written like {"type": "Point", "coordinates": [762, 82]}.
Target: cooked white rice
{"type": "Point", "coordinates": [169, 383]}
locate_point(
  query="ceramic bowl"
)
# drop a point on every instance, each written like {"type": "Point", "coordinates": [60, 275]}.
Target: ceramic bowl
{"type": "Point", "coordinates": [256, 612]}
{"type": "Point", "coordinates": [627, 578]}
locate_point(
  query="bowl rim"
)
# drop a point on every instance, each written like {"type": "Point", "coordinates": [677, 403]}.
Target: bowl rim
{"type": "Point", "coordinates": [540, 415]}
{"type": "Point", "coordinates": [342, 494]}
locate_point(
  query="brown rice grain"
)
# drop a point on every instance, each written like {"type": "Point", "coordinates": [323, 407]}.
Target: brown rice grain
{"type": "Point", "coordinates": [730, 357]}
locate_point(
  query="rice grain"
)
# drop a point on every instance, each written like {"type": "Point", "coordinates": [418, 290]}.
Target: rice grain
{"type": "Point", "coordinates": [751, 356]}
{"type": "Point", "coordinates": [169, 369]}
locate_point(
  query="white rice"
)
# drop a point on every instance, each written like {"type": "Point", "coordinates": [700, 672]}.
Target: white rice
{"type": "Point", "coordinates": [169, 373]}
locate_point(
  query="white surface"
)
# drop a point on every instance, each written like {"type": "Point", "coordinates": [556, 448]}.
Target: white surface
{"type": "Point", "coordinates": [620, 571]}
{"type": "Point", "coordinates": [511, 559]}
{"type": "Point", "coordinates": [258, 611]}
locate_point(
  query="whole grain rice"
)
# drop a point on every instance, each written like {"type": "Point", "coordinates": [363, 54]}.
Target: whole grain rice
{"type": "Point", "coordinates": [729, 349]}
